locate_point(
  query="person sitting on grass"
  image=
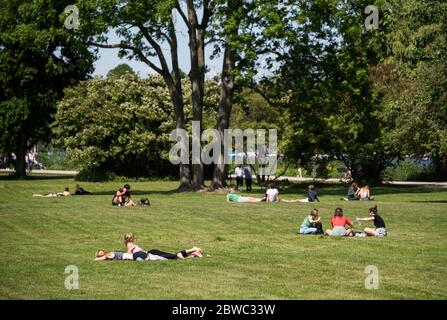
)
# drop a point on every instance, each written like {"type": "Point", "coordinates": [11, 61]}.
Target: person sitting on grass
{"type": "Point", "coordinates": [380, 227]}
{"type": "Point", "coordinates": [134, 252]}
{"type": "Point", "coordinates": [272, 194]}
{"type": "Point", "coordinates": [66, 193]}
{"type": "Point", "coordinates": [233, 197]}
{"type": "Point", "coordinates": [312, 224]}
{"type": "Point", "coordinates": [352, 192]}
{"type": "Point", "coordinates": [339, 223]}
{"type": "Point", "coordinates": [312, 195]}
{"type": "Point", "coordinates": [122, 197]}
{"type": "Point", "coordinates": [364, 193]}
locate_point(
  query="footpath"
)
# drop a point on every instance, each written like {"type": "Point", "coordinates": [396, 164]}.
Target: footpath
{"type": "Point", "coordinates": [294, 179]}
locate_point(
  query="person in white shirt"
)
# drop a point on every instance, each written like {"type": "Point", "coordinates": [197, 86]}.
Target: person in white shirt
{"type": "Point", "coordinates": [239, 178]}
{"type": "Point", "coordinates": [272, 194]}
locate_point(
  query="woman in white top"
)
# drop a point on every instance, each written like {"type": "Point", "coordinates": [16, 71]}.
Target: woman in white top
{"type": "Point", "coordinates": [272, 194]}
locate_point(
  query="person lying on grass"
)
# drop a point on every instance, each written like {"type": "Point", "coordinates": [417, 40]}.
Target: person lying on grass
{"type": "Point", "coordinates": [312, 196]}
{"type": "Point", "coordinates": [233, 197]}
{"type": "Point", "coordinates": [312, 224]}
{"type": "Point", "coordinates": [151, 255]}
{"type": "Point", "coordinates": [134, 252]}
{"type": "Point", "coordinates": [66, 193]}
{"type": "Point", "coordinates": [380, 227]}
{"type": "Point", "coordinates": [339, 223]}
{"type": "Point", "coordinates": [138, 253]}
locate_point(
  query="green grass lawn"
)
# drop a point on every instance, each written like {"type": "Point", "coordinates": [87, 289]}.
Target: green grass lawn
{"type": "Point", "coordinates": [252, 251]}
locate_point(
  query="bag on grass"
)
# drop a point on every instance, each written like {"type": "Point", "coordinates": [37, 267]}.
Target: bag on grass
{"type": "Point", "coordinates": [144, 202]}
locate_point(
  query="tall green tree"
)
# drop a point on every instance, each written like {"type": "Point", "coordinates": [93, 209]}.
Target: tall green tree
{"type": "Point", "coordinates": [416, 86]}
{"type": "Point", "coordinates": [326, 81]}
{"type": "Point", "coordinates": [39, 57]}
{"type": "Point", "coordinates": [144, 29]}
{"type": "Point", "coordinates": [250, 33]}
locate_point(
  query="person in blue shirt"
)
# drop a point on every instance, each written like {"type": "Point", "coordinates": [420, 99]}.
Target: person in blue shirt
{"type": "Point", "coordinates": [312, 224]}
{"type": "Point", "coordinates": [312, 196]}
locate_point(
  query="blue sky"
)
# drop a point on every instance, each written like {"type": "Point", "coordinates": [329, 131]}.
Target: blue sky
{"type": "Point", "coordinates": [108, 58]}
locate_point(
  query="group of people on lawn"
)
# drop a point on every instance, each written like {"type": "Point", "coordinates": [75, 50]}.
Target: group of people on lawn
{"type": "Point", "coordinates": [271, 195]}
{"type": "Point", "coordinates": [121, 198]}
{"type": "Point", "coordinates": [340, 224]}
{"type": "Point", "coordinates": [78, 192]}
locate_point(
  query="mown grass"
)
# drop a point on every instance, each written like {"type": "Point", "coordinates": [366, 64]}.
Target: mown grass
{"type": "Point", "coordinates": [252, 251]}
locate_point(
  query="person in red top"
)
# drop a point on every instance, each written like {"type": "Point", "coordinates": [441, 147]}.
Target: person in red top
{"type": "Point", "coordinates": [339, 223]}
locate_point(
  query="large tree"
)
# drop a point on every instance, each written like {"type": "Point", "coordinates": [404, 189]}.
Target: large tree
{"type": "Point", "coordinates": [144, 29]}
{"type": "Point", "coordinates": [39, 57]}
{"type": "Point", "coordinates": [416, 95]}
{"type": "Point", "coordinates": [326, 81]}
{"type": "Point", "coordinates": [250, 34]}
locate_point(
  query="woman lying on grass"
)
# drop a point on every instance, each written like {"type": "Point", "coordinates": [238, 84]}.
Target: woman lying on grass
{"type": "Point", "coordinates": [151, 255]}
{"type": "Point", "coordinates": [66, 193]}
{"type": "Point", "coordinates": [134, 252]}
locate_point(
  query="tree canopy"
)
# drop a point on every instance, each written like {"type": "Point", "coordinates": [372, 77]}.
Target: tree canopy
{"type": "Point", "coordinates": [39, 57]}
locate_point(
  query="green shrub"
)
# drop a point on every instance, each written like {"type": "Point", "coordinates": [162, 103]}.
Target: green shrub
{"type": "Point", "coordinates": [95, 175]}
{"type": "Point", "coordinates": [409, 170]}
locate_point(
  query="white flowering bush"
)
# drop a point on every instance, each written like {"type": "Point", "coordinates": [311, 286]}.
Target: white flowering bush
{"type": "Point", "coordinates": [119, 125]}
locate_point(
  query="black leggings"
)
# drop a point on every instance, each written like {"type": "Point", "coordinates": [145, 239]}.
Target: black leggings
{"type": "Point", "coordinates": [141, 255]}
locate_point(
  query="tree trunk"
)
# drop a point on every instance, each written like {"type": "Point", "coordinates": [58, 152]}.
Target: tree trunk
{"type": "Point", "coordinates": [176, 91]}
{"type": "Point", "coordinates": [197, 76]}
{"type": "Point", "coordinates": [224, 113]}
{"type": "Point", "coordinates": [20, 163]}
{"type": "Point", "coordinates": [184, 170]}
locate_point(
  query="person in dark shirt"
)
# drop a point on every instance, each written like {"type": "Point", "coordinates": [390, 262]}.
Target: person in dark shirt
{"type": "Point", "coordinates": [80, 191]}
{"type": "Point", "coordinates": [352, 192]}
{"type": "Point", "coordinates": [312, 194]}
{"type": "Point", "coordinates": [379, 224]}
{"type": "Point", "coordinates": [122, 197]}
